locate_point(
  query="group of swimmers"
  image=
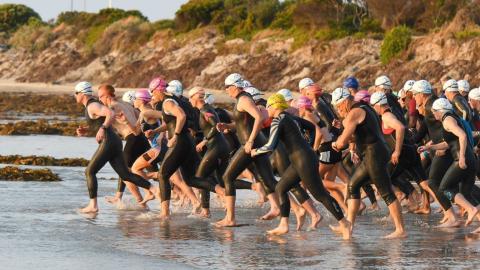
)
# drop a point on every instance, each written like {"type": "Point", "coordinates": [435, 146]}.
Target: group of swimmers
{"type": "Point", "coordinates": [338, 148]}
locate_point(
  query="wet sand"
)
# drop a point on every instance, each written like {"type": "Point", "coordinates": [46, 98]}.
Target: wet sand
{"type": "Point", "coordinates": [40, 228]}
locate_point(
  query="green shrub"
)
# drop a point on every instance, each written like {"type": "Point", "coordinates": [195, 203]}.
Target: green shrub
{"type": "Point", "coordinates": [163, 24]}
{"type": "Point", "coordinates": [34, 36]}
{"type": "Point", "coordinates": [395, 42]}
{"type": "Point", "coordinates": [104, 17]}
{"type": "Point", "coordinates": [467, 34]}
{"type": "Point", "coordinates": [93, 35]}
{"type": "Point", "coordinates": [13, 16]}
{"type": "Point", "coordinates": [196, 12]}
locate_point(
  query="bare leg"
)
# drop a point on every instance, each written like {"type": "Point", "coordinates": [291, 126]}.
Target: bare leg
{"type": "Point", "coordinates": [471, 210]}
{"type": "Point", "coordinates": [274, 207]}
{"type": "Point", "coordinates": [299, 212]}
{"type": "Point", "coordinates": [177, 180]}
{"type": "Point", "coordinates": [314, 214]}
{"type": "Point", "coordinates": [450, 219]}
{"type": "Point", "coordinates": [396, 214]}
{"type": "Point", "coordinates": [229, 220]}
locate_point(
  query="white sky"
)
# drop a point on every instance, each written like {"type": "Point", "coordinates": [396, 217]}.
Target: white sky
{"type": "Point", "coordinates": [153, 9]}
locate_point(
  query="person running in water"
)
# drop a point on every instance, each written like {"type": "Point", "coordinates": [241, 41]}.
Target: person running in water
{"type": "Point", "coordinates": [136, 143]}
{"type": "Point", "coordinates": [109, 148]}
{"type": "Point", "coordinates": [459, 179]}
{"type": "Point", "coordinates": [303, 167]}
{"type": "Point", "coordinates": [247, 121]}
{"type": "Point", "coordinates": [362, 122]}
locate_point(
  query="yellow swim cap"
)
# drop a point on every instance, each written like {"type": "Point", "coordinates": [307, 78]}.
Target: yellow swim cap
{"type": "Point", "coordinates": [277, 101]}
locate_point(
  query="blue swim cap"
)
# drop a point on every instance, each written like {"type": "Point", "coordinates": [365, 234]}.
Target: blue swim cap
{"type": "Point", "coordinates": [350, 82]}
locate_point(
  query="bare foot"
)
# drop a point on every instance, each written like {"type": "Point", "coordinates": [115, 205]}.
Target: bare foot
{"type": "Point", "coordinates": [112, 200]}
{"type": "Point", "coordinates": [315, 221]}
{"type": "Point", "coordinates": [471, 216]}
{"type": "Point", "coordinates": [449, 224]}
{"type": "Point", "coordinates": [422, 211]}
{"type": "Point", "coordinates": [374, 207]}
{"type": "Point", "coordinates": [273, 213]}
{"type": "Point", "coordinates": [300, 215]}
{"type": "Point", "coordinates": [204, 213]}
{"type": "Point", "coordinates": [262, 197]}
{"type": "Point", "coordinates": [344, 229]}
{"type": "Point", "coordinates": [477, 230]}
{"type": "Point", "coordinates": [88, 209]}
{"type": "Point", "coordinates": [280, 230]}
{"type": "Point", "coordinates": [149, 196]}
{"type": "Point", "coordinates": [396, 235]}
{"type": "Point", "coordinates": [225, 223]}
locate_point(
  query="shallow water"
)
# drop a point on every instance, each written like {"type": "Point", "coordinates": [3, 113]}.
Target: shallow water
{"type": "Point", "coordinates": [39, 228]}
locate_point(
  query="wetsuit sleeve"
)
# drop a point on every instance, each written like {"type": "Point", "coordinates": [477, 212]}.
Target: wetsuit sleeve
{"type": "Point", "coordinates": [210, 118]}
{"type": "Point", "coordinates": [463, 108]}
{"type": "Point", "coordinates": [421, 132]}
{"type": "Point", "coordinates": [306, 126]}
{"type": "Point", "coordinates": [273, 138]}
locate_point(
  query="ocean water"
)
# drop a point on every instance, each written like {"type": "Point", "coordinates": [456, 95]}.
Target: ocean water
{"type": "Point", "coordinates": [40, 228]}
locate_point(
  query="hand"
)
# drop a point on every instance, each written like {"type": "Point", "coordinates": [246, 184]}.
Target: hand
{"type": "Point", "coordinates": [172, 141]}
{"type": "Point", "coordinates": [337, 123]}
{"type": "Point", "coordinates": [461, 163]}
{"type": "Point", "coordinates": [355, 158]}
{"type": "Point", "coordinates": [200, 146]}
{"type": "Point", "coordinates": [149, 134]}
{"type": "Point", "coordinates": [82, 131]}
{"type": "Point", "coordinates": [121, 117]}
{"type": "Point", "coordinates": [335, 147]}
{"type": "Point", "coordinates": [421, 149]}
{"type": "Point", "coordinates": [248, 147]}
{"type": "Point", "coordinates": [222, 127]}
{"type": "Point", "coordinates": [100, 135]}
{"type": "Point", "coordinates": [395, 157]}
{"type": "Point", "coordinates": [253, 152]}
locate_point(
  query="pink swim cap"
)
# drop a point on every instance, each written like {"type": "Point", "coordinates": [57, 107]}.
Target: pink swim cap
{"type": "Point", "coordinates": [158, 84]}
{"type": "Point", "coordinates": [304, 102]}
{"type": "Point", "coordinates": [362, 95]}
{"type": "Point", "coordinates": [143, 94]}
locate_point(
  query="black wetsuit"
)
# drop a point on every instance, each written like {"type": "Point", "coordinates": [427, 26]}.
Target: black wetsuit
{"type": "Point", "coordinates": [109, 150]}
{"type": "Point", "coordinates": [241, 160]}
{"type": "Point", "coordinates": [395, 107]}
{"type": "Point", "coordinates": [327, 115]}
{"type": "Point", "coordinates": [375, 156]}
{"type": "Point", "coordinates": [134, 147]}
{"type": "Point", "coordinates": [303, 167]}
{"type": "Point", "coordinates": [456, 179]}
{"type": "Point", "coordinates": [181, 156]}
{"type": "Point", "coordinates": [440, 163]}
{"type": "Point", "coordinates": [409, 160]}
{"type": "Point", "coordinates": [217, 155]}
{"type": "Point", "coordinates": [461, 108]}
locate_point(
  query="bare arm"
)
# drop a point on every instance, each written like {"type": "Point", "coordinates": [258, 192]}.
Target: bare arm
{"type": "Point", "coordinates": [175, 110]}
{"type": "Point", "coordinates": [350, 123]}
{"type": "Point", "coordinates": [99, 110]}
{"type": "Point", "coordinates": [390, 121]}
{"type": "Point", "coordinates": [318, 132]}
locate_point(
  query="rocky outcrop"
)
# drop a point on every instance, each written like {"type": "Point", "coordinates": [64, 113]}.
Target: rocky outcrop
{"type": "Point", "coordinates": [270, 61]}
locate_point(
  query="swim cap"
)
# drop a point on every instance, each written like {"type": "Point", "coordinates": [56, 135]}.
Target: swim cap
{"type": "Point", "coordinates": [351, 82]}
{"type": "Point", "coordinates": [234, 79]}
{"type": "Point", "coordinates": [129, 96]}
{"type": "Point", "coordinates": [277, 101]}
{"type": "Point", "coordinates": [422, 87]}
{"type": "Point", "coordinates": [362, 95]}
{"type": "Point", "coordinates": [209, 98]}
{"type": "Point", "coordinates": [474, 94]}
{"type": "Point", "coordinates": [384, 82]}
{"type": "Point", "coordinates": [158, 84]}
{"type": "Point", "coordinates": [378, 98]}
{"type": "Point", "coordinates": [304, 102]}
{"type": "Point", "coordinates": [247, 84]}
{"type": "Point", "coordinates": [408, 85]}
{"type": "Point", "coordinates": [143, 95]}
{"type": "Point", "coordinates": [450, 86]}
{"type": "Point", "coordinates": [442, 104]}
{"type": "Point", "coordinates": [463, 86]}
{"type": "Point", "coordinates": [305, 82]}
{"type": "Point", "coordinates": [339, 95]}
{"type": "Point", "coordinates": [175, 88]}
{"type": "Point", "coordinates": [254, 92]}
{"type": "Point", "coordinates": [84, 88]}
{"type": "Point", "coordinates": [196, 90]}
{"type": "Point", "coordinates": [287, 94]}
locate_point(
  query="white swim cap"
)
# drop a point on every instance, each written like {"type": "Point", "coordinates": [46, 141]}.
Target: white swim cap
{"type": "Point", "coordinates": [287, 94]}
{"type": "Point", "coordinates": [84, 88]}
{"type": "Point", "coordinates": [422, 87]}
{"type": "Point", "coordinates": [339, 95]}
{"type": "Point", "coordinates": [378, 98]}
{"type": "Point", "coordinates": [442, 104]}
